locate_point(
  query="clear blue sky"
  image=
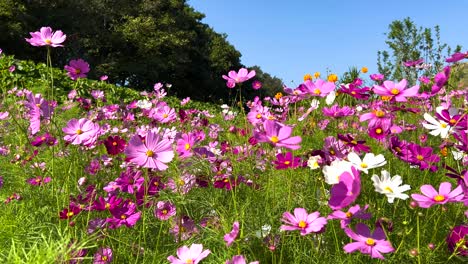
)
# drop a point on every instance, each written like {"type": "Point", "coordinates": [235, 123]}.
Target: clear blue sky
{"type": "Point", "coordinates": [291, 38]}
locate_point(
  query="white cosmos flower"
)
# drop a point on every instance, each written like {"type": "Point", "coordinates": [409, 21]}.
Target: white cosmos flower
{"type": "Point", "coordinates": [437, 127]}
{"type": "Point", "coordinates": [390, 186]}
{"type": "Point", "coordinates": [330, 98]}
{"type": "Point", "coordinates": [313, 162]}
{"type": "Point", "coordinates": [144, 104]}
{"type": "Point", "coordinates": [369, 161]}
{"type": "Point", "coordinates": [333, 172]}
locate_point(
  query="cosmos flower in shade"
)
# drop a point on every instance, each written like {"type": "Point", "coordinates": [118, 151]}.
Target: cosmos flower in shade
{"type": "Point", "coordinates": [130, 180]}
{"type": "Point", "coordinates": [231, 236]}
{"type": "Point", "coordinates": [82, 131]}
{"type": "Point", "coordinates": [284, 161]}
{"type": "Point", "coordinates": [354, 91]}
{"type": "Point", "coordinates": [46, 37]}
{"type": "Point", "coordinates": [164, 210]}
{"type": "Point", "coordinates": [39, 180]}
{"type": "Point", "coordinates": [192, 255]}
{"type": "Point", "coordinates": [370, 161]}
{"type": "Point", "coordinates": [115, 145]}
{"type": "Point", "coordinates": [44, 139]}
{"type": "Point", "coordinates": [396, 91]}
{"type": "Point", "coordinates": [106, 203]}
{"type": "Point", "coordinates": [238, 77]}
{"type": "Point", "coordinates": [354, 212]}
{"type": "Point", "coordinates": [413, 63]}
{"type": "Point", "coordinates": [164, 114]}
{"type": "Point", "coordinates": [256, 85]}
{"type": "Point", "coordinates": [77, 69]}
{"type": "Point", "coordinates": [278, 135]}
{"type": "Point", "coordinates": [421, 156]}
{"type": "Point", "coordinates": [69, 212]}
{"type": "Point", "coordinates": [319, 87]}
{"type": "Point", "coordinates": [457, 56]}
{"type": "Point", "coordinates": [183, 227]}
{"type": "Point", "coordinates": [444, 195]}
{"type": "Point", "coordinates": [185, 144]}
{"type": "Point", "coordinates": [390, 186]}
{"type": "Point", "coordinates": [303, 221]}
{"type": "Point", "coordinates": [346, 191]}
{"type": "Point", "coordinates": [370, 244]}
{"type": "Point", "coordinates": [437, 127]}
{"type": "Point", "coordinates": [355, 145]}
{"type": "Point", "coordinates": [153, 153]}
{"type": "Point", "coordinates": [452, 117]}
{"type": "Point", "coordinates": [124, 214]}
{"type": "Point", "coordinates": [377, 77]}
{"type": "Point", "coordinates": [103, 256]}
{"type": "Point", "coordinates": [239, 259]}
{"type": "Point", "coordinates": [440, 80]}
{"type": "Point", "coordinates": [456, 240]}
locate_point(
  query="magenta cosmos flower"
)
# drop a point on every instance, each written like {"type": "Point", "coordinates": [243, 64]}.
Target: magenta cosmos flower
{"type": "Point", "coordinates": [284, 161]}
{"type": "Point", "coordinates": [77, 69]}
{"type": "Point", "coordinates": [192, 255]}
{"type": "Point", "coordinates": [319, 87]}
{"type": "Point", "coordinates": [346, 191]}
{"type": "Point", "coordinates": [278, 135]}
{"type": "Point", "coordinates": [301, 220]}
{"type": "Point", "coordinates": [238, 77]}
{"type": "Point", "coordinates": [153, 153]}
{"type": "Point", "coordinates": [82, 131]}
{"type": "Point", "coordinates": [396, 91]}
{"type": "Point", "coordinates": [456, 240]}
{"type": "Point", "coordinates": [367, 243]}
{"type": "Point", "coordinates": [164, 210]}
{"type": "Point", "coordinates": [352, 213]}
{"type": "Point", "coordinates": [46, 37]}
{"type": "Point", "coordinates": [103, 256]}
{"type": "Point", "coordinates": [431, 196]}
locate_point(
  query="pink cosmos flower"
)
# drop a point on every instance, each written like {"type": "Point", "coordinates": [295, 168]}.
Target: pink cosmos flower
{"type": "Point", "coordinates": [123, 214]}
{"type": "Point", "coordinates": [238, 77]}
{"type": "Point", "coordinates": [352, 213]}
{"type": "Point", "coordinates": [319, 87]}
{"type": "Point", "coordinates": [185, 145]}
{"type": "Point", "coordinates": [256, 85]}
{"type": "Point", "coordinates": [39, 180]}
{"type": "Point", "coordinates": [443, 196]}
{"type": "Point", "coordinates": [377, 77]}
{"type": "Point", "coordinates": [82, 131]}
{"type": "Point", "coordinates": [153, 153]}
{"type": "Point", "coordinates": [278, 135]}
{"type": "Point", "coordinates": [103, 256]}
{"type": "Point", "coordinates": [346, 191]}
{"type": "Point", "coordinates": [457, 56]}
{"type": "Point", "coordinates": [301, 220]}
{"type": "Point", "coordinates": [164, 210]}
{"type": "Point", "coordinates": [231, 236]}
{"type": "Point", "coordinates": [284, 161]}
{"type": "Point", "coordinates": [46, 37]}
{"type": "Point", "coordinates": [192, 255]}
{"type": "Point", "coordinates": [367, 243]}
{"type": "Point", "coordinates": [77, 69]}
{"type": "Point", "coordinates": [397, 91]}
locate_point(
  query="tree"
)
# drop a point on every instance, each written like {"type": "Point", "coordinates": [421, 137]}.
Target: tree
{"type": "Point", "coordinates": [407, 42]}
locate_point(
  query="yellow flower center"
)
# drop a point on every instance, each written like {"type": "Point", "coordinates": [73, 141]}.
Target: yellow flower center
{"type": "Point", "coordinates": [439, 198]}
{"type": "Point", "coordinates": [48, 41]}
{"type": "Point", "coordinates": [189, 261]}
{"type": "Point", "coordinates": [370, 242]}
{"type": "Point", "coordinates": [70, 214]}
{"type": "Point", "coordinates": [271, 117]}
{"type": "Point", "coordinates": [164, 212]}
{"type": "Point", "coordinates": [395, 91]}
{"type": "Point", "coordinates": [149, 153]}
{"type": "Point", "coordinates": [104, 258]}
{"type": "Point", "coordinates": [354, 142]}
{"type": "Point", "coordinates": [302, 224]}
{"type": "Point", "coordinates": [378, 131]}
{"type": "Point", "coordinates": [443, 125]}
{"type": "Point", "coordinates": [349, 214]}
{"type": "Point", "coordinates": [278, 96]}
{"type": "Point", "coordinates": [452, 121]}
{"type": "Point", "coordinates": [274, 139]}
{"type": "Point", "coordinates": [107, 205]}
{"type": "Point", "coordinates": [363, 165]}
{"type": "Point", "coordinates": [287, 162]}
{"type": "Point", "coordinates": [419, 157]}
{"type": "Point", "coordinates": [379, 113]}
{"type": "Point", "coordinates": [165, 115]}
{"type": "Point", "coordinates": [38, 180]}
{"type": "Point", "coordinates": [388, 189]}
{"type": "Point", "coordinates": [187, 146]}
{"type": "Point", "coordinates": [79, 131]}
{"type": "Point", "coordinates": [317, 91]}
{"type": "Point", "coordinates": [258, 116]}
{"type": "Point", "coordinates": [114, 143]}
{"type": "Point", "coordinates": [77, 71]}
{"type": "Point", "coordinates": [123, 217]}
{"type": "Point", "coordinates": [398, 149]}
{"type": "Point", "coordinates": [353, 92]}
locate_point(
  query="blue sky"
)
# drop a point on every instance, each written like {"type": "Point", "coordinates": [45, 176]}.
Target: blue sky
{"type": "Point", "coordinates": [291, 38]}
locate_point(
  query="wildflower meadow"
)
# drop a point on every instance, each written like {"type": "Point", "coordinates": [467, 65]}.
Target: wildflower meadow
{"type": "Point", "coordinates": [326, 172]}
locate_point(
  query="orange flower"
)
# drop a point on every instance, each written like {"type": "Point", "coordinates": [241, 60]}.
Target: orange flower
{"type": "Point", "coordinates": [307, 77]}
{"type": "Point", "coordinates": [332, 77]}
{"type": "Point", "coordinates": [364, 70]}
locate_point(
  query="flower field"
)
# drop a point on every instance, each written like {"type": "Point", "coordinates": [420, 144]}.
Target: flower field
{"type": "Point", "coordinates": [325, 172]}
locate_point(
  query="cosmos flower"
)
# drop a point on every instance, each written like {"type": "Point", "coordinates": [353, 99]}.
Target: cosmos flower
{"type": "Point", "coordinates": [319, 87]}
{"type": "Point", "coordinates": [367, 243]}
{"type": "Point", "coordinates": [231, 236]}
{"type": "Point", "coordinates": [346, 191]}
{"type": "Point", "coordinates": [164, 210]}
{"type": "Point", "coordinates": [456, 240]}
{"type": "Point", "coordinates": [390, 186]}
{"type": "Point", "coordinates": [354, 212]}
{"type": "Point", "coordinates": [192, 255]}
{"type": "Point", "coordinates": [284, 161]}
{"type": "Point", "coordinates": [46, 37]}
{"type": "Point", "coordinates": [370, 161]}
{"type": "Point", "coordinates": [239, 259]}
{"type": "Point", "coordinates": [82, 131]}
{"type": "Point", "coordinates": [444, 195]}
{"type": "Point", "coordinates": [396, 91]}
{"type": "Point", "coordinates": [77, 69]}
{"type": "Point", "coordinates": [278, 135]}
{"type": "Point", "coordinates": [154, 152]}
{"type": "Point", "coordinates": [103, 256]}
{"type": "Point", "coordinates": [301, 220]}
{"type": "Point", "coordinates": [437, 127]}
{"type": "Point", "coordinates": [238, 77]}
